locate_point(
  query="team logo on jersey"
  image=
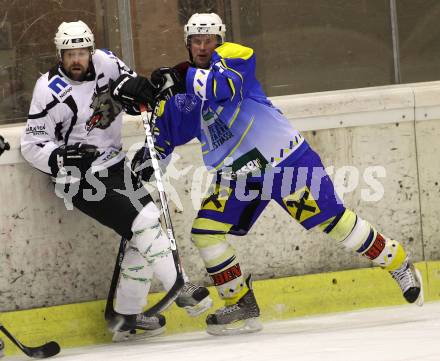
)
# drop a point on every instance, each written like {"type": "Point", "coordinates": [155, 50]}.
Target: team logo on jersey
{"type": "Point", "coordinates": [60, 87]}
{"type": "Point", "coordinates": [207, 114]}
{"type": "Point", "coordinates": [219, 134]}
{"type": "Point", "coordinates": [216, 131]}
{"type": "Point", "coordinates": [301, 205]}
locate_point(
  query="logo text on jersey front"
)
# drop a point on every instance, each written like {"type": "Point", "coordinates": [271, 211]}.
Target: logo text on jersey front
{"type": "Point", "coordinates": [36, 130]}
{"type": "Point", "coordinates": [60, 87]}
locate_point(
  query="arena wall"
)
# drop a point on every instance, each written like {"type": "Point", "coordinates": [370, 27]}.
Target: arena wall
{"type": "Point", "coordinates": [380, 146]}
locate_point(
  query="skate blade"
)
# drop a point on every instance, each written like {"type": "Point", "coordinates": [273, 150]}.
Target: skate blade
{"type": "Point", "coordinates": [236, 328]}
{"type": "Point", "coordinates": [134, 335]}
{"type": "Point", "coordinates": [420, 300]}
{"type": "Point", "coordinates": [203, 306]}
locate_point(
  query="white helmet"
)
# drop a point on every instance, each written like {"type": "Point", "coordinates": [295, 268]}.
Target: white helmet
{"type": "Point", "coordinates": [74, 35]}
{"type": "Point", "coordinates": [204, 24]}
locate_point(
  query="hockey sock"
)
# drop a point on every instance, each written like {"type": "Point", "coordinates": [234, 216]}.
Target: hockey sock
{"type": "Point", "coordinates": [219, 256]}
{"type": "Point", "coordinates": [148, 252]}
{"type": "Point", "coordinates": [134, 283]}
{"type": "Point", "coordinates": [162, 260]}
{"type": "Point", "coordinates": [234, 299]}
{"type": "Point", "coordinates": [358, 235]}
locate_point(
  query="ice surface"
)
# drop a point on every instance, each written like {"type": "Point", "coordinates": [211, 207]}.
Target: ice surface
{"type": "Point", "coordinates": [405, 333]}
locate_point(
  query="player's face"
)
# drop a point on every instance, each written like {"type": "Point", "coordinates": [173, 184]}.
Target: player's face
{"type": "Point", "coordinates": [201, 48]}
{"type": "Point", "coordinates": [76, 62]}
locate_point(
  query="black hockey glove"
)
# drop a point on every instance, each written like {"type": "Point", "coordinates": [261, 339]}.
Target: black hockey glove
{"type": "Point", "coordinates": [168, 82]}
{"type": "Point", "coordinates": [141, 166]}
{"type": "Point", "coordinates": [77, 155]}
{"type": "Point", "coordinates": [4, 145]}
{"type": "Point", "coordinates": [131, 91]}
{"type": "Point", "coordinates": [105, 111]}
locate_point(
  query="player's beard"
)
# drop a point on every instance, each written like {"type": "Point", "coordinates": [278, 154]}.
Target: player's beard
{"type": "Point", "coordinates": [76, 72]}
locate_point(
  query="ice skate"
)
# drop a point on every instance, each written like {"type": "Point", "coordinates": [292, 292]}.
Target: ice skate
{"type": "Point", "coordinates": [236, 318]}
{"type": "Point", "coordinates": [409, 280]}
{"type": "Point", "coordinates": [194, 299]}
{"type": "Point", "coordinates": [136, 327]}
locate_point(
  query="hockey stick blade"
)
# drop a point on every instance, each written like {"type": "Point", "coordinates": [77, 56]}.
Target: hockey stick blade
{"type": "Point", "coordinates": [168, 299]}
{"type": "Point", "coordinates": [47, 350]}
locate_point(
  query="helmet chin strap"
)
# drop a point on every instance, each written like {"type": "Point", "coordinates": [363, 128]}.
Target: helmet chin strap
{"type": "Point", "coordinates": [191, 59]}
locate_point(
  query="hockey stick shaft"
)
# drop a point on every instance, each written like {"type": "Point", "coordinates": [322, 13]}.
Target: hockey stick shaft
{"type": "Point", "coordinates": [109, 310]}
{"type": "Point", "coordinates": [158, 176]}
{"type": "Point", "coordinates": [172, 294]}
{"type": "Point", "coordinates": [47, 350]}
{"type": "Point", "coordinates": [174, 291]}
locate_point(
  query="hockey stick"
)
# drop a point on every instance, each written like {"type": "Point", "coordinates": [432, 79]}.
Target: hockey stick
{"type": "Point", "coordinates": [47, 350]}
{"type": "Point", "coordinates": [174, 292]}
{"type": "Point", "coordinates": [109, 313]}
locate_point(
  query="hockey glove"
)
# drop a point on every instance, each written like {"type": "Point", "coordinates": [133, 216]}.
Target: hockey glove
{"type": "Point", "coordinates": [105, 111]}
{"type": "Point", "coordinates": [168, 82]}
{"type": "Point", "coordinates": [77, 155]}
{"type": "Point", "coordinates": [141, 164]}
{"type": "Point", "coordinates": [131, 91]}
{"type": "Point", "coordinates": [4, 145]}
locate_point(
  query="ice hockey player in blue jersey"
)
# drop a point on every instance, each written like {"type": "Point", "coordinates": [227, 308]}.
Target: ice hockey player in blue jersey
{"type": "Point", "coordinates": [74, 126]}
{"type": "Point", "coordinates": [256, 156]}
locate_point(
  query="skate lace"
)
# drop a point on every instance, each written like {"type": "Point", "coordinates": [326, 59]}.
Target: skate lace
{"type": "Point", "coordinates": [229, 309]}
{"type": "Point", "coordinates": [404, 277]}
{"type": "Point", "coordinates": [141, 319]}
{"type": "Point", "coordinates": [188, 289]}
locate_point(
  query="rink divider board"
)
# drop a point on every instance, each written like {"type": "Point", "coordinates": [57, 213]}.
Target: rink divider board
{"type": "Point", "coordinates": [334, 109]}
{"type": "Point", "coordinates": [83, 324]}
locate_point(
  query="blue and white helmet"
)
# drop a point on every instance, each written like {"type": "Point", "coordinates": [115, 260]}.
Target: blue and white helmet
{"type": "Point", "coordinates": [199, 24]}
{"type": "Point", "coordinates": [74, 35]}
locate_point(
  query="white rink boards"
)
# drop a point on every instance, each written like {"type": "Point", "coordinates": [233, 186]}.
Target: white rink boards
{"type": "Point", "coordinates": [405, 333]}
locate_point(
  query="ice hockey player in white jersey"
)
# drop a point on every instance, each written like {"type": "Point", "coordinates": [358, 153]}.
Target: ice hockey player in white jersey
{"type": "Point", "coordinates": [68, 140]}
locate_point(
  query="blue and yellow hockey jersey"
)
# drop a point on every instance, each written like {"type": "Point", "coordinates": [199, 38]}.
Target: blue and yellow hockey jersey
{"type": "Point", "coordinates": [226, 109]}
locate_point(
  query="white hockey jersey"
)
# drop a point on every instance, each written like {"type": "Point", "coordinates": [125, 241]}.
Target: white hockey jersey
{"type": "Point", "coordinates": [59, 111]}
